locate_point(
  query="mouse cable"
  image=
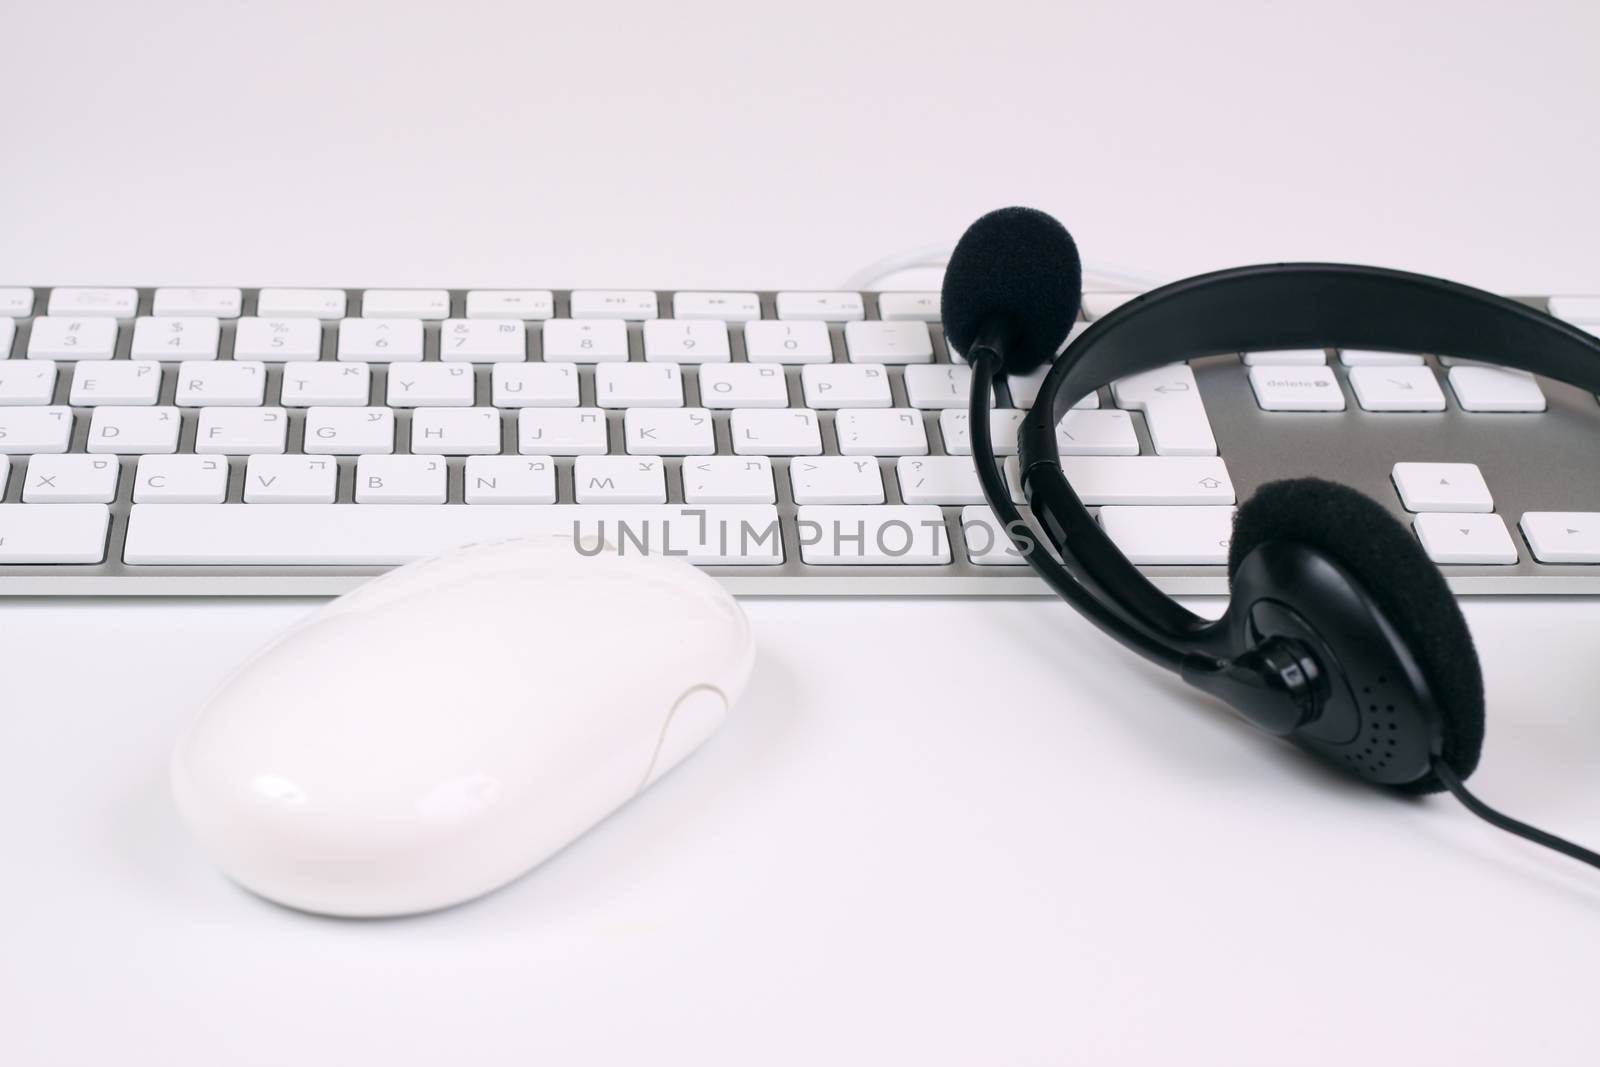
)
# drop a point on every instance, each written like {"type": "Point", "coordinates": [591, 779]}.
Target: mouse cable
{"type": "Point", "coordinates": [1507, 823]}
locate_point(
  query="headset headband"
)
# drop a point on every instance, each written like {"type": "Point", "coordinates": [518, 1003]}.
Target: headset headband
{"type": "Point", "coordinates": [1264, 308]}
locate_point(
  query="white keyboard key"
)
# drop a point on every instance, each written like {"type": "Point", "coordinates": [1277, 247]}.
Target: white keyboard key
{"type": "Point", "coordinates": [1442, 487]}
{"type": "Point", "coordinates": [1099, 305]}
{"type": "Point", "coordinates": [1003, 426]}
{"type": "Point", "coordinates": [921, 307]}
{"type": "Point", "coordinates": [1102, 480]}
{"type": "Point", "coordinates": [872, 535]}
{"type": "Point", "coordinates": [821, 307]}
{"type": "Point", "coordinates": [1149, 479]}
{"type": "Point", "coordinates": [117, 381]}
{"type": "Point", "coordinates": [278, 340]}
{"type": "Point", "coordinates": [685, 341]}
{"type": "Point", "coordinates": [405, 304]}
{"type": "Point", "coordinates": [431, 385]}
{"type": "Point", "coordinates": [523, 304]}
{"type": "Point", "coordinates": [341, 431]}
{"type": "Point", "coordinates": [380, 340]}
{"type": "Point", "coordinates": [381, 535]}
{"type": "Point", "coordinates": [769, 341]}
{"type": "Point", "coordinates": [1496, 389]}
{"type": "Point", "coordinates": [175, 337]}
{"type": "Point", "coordinates": [239, 431]}
{"type": "Point", "coordinates": [183, 479]}
{"type": "Point", "coordinates": [888, 342]}
{"type": "Point", "coordinates": [1570, 308]}
{"type": "Point", "coordinates": [1465, 538]}
{"type": "Point", "coordinates": [455, 432]}
{"type": "Point", "coordinates": [290, 480]}
{"type": "Point", "coordinates": [53, 533]}
{"type": "Point", "coordinates": [845, 385]}
{"type": "Point", "coordinates": [939, 386]}
{"type": "Point", "coordinates": [1170, 536]}
{"type": "Point", "coordinates": [619, 480]}
{"type": "Point", "coordinates": [8, 333]}
{"type": "Point", "coordinates": [116, 303]}
{"type": "Point", "coordinates": [765, 432]}
{"type": "Point", "coordinates": [72, 338]}
{"type": "Point", "coordinates": [26, 430]}
{"type": "Point", "coordinates": [881, 432]}
{"type": "Point", "coordinates": [212, 303]}
{"type": "Point", "coordinates": [743, 385]}
{"type": "Point", "coordinates": [725, 307]}
{"type": "Point", "coordinates": [836, 480]}
{"type": "Point", "coordinates": [668, 432]}
{"type": "Point", "coordinates": [75, 479]}
{"type": "Point", "coordinates": [728, 480]}
{"type": "Point", "coordinates": [1296, 389]}
{"type": "Point", "coordinates": [1173, 410]}
{"type": "Point", "coordinates": [341, 384]}
{"type": "Point", "coordinates": [510, 480]}
{"type": "Point", "coordinates": [599, 341]}
{"type": "Point", "coordinates": [228, 383]}
{"type": "Point", "coordinates": [638, 385]}
{"type": "Point", "coordinates": [1287, 357]}
{"type": "Point", "coordinates": [483, 341]}
{"type": "Point", "coordinates": [561, 432]}
{"type": "Point", "coordinates": [133, 431]}
{"type": "Point", "coordinates": [534, 385]}
{"type": "Point", "coordinates": [16, 302]}
{"type": "Point", "coordinates": [1095, 433]}
{"type": "Point", "coordinates": [1396, 388]}
{"type": "Point", "coordinates": [397, 480]}
{"type": "Point", "coordinates": [938, 480]}
{"type": "Point", "coordinates": [31, 381]}
{"type": "Point", "coordinates": [986, 541]}
{"type": "Point", "coordinates": [301, 303]}
{"type": "Point", "coordinates": [1563, 536]}
{"type": "Point", "coordinates": [1355, 357]}
{"type": "Point", "coordinates": [631, 304]}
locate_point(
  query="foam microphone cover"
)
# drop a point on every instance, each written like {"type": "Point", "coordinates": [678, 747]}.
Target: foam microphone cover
{"type": "Point", "coordinates": [1019, 266]}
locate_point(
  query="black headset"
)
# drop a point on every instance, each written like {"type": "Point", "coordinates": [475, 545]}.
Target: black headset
{"type": "Point", "coordinates": [1340, 633]}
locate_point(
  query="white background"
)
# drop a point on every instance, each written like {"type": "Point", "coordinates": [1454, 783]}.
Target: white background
{"type": "Point", "coordinates": [935, 832]}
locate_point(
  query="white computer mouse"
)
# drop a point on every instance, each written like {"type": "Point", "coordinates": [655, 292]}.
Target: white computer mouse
{"type": "Point", "coordinates": [445, 728]}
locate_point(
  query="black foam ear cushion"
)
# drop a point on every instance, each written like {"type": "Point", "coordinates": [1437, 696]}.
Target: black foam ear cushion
{"type": "Point", "coordinates": [1360, 535]}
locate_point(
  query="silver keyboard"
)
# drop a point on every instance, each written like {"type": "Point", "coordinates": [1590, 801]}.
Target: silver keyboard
{"type": "Point", "coordinates": [297, 441]}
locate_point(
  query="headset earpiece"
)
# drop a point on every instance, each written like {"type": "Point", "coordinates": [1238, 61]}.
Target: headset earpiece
{"type": "Point", "coordinates": [1322, 564]}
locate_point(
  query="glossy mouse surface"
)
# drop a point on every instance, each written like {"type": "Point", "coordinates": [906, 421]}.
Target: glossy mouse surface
{"type": "Point", "coordinates": [443, 729]}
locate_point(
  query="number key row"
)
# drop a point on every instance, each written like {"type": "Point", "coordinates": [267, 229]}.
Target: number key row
{"type": "Point", "coordinates": [290, 338]}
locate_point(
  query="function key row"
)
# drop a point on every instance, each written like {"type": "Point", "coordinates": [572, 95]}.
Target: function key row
{"type": "Point", "coordinates": [534, 304]}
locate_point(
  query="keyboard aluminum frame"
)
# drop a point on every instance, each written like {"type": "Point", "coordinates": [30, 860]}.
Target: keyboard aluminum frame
{"type": "Point", "coordinates": [1531, 462]}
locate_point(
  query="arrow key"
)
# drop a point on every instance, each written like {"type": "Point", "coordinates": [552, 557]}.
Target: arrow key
{"type": "Point", "coordinates": [1465, 538]}
{"type": "Point", "coordinates": [1563, 536]}
{"type": "Point", "coordinates": [1442, 487]}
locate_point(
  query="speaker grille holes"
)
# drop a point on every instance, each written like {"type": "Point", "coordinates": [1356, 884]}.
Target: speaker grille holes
{"type": "Point", "coordinates": [1374, 747]}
